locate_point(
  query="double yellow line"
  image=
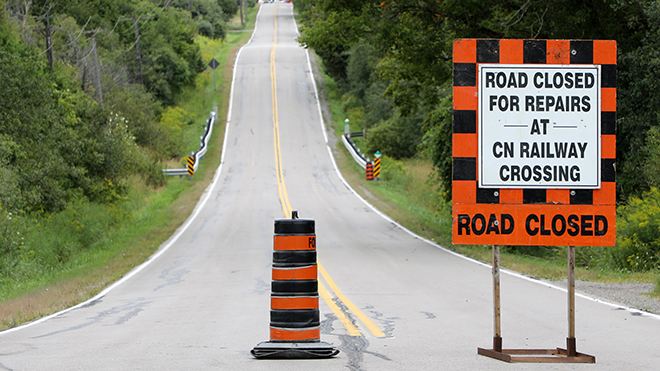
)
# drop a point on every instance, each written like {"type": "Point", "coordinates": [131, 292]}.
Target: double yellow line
{"type": "Point", "coordinates": [281, 186]}
{"type": "Point", "coordinates": [286, 208]}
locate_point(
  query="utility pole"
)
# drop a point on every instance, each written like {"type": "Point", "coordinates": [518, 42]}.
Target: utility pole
{"type": "Point", "coordinates": [137, 42]}
{"type": "Point", "coordinates": [97, 75]}
{"type": "Point", "coordinates": [190, 21]}
{"type": "Point", "coordinates": [240, 7]}
{"type": "Point", "coordinates": [49, 40]}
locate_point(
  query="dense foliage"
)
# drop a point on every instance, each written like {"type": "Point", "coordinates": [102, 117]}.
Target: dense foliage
{"type": "Point", "coordinates": [86, 115]}
{"type": "Point", "coordinates": [639, 234]}
{"type": "Point", "coordinates": [392, 60]}
{"type": "Point", "coordinates": [78, 126]}
{"type": "Point", "coordinates": [401, 51]}
{"type": "Point", "coordinates": [57, 143]}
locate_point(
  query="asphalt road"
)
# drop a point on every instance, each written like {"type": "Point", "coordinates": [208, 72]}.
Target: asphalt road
{"type": "Point", "coordinates": [202, 302]}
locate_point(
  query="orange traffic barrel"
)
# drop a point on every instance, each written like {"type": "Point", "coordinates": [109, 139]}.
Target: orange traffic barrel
{"type": "Point", "coordinates": [370, 171]}
{"type": "Point", "coordinates": [295, 330]}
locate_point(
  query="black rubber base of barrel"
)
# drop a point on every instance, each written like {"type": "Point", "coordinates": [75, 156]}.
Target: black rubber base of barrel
{"type": "Point", "coordinates": [271, 350]}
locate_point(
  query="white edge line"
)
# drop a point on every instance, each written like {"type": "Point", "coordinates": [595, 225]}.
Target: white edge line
{"type": "Point", "coordinates": [172, 240]}
{"type": "Point", "coordinates": [433, 243]}
{"type": "Point", "coordinates": [316, 91]}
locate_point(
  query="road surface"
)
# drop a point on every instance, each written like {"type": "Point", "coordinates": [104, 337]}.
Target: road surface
{"type": "Point", "coordinates": [395, 301]}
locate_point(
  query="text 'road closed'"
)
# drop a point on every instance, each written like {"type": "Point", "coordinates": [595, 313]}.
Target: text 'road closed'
{"type": "Point", "coordinates": [533, 225]}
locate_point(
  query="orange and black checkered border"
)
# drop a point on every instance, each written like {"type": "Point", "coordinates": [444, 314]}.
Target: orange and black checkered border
{"type": "Point", "coordinates": [468, 54]}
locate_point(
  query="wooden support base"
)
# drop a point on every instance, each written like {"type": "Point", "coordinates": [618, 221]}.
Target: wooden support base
{"type": "Point", "coordinates": [537, 356]}
{"type": "Point", "coordinates": [568, 355]}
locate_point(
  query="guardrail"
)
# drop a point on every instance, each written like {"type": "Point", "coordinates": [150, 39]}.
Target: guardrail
{"type": "Point", "coordinates": [193, 160]}
{"type": "Point", "coordinates": [174, 172]}
{"type": "Point", "coordinates": [354, 150]}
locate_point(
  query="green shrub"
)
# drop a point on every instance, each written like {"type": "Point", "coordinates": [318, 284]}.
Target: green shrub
{"type": "Point", "coordinates": [173, 120]}
{"type": "Point", "coordinates": [651, 155]}
{"type": "Point", "coordinates": [39, 243]}
{"type": "Point", "coordinates": [544, 252]}
{"type": "Point", "coordinates": [397, 137]}
{"type": "Point", "coordinates": [394, 171]}
{"type": "Point", "coordinates": [12, 241]}
{"type": "Point", "coordinates": [638, 234]}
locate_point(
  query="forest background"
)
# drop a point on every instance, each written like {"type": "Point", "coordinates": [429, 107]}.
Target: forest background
{"type": "Point", "coordinates": [98, 96]}
{"type": "Point", "coordinates": [92, 109]}
{"type": "Point", "coordinates": [391, 61]}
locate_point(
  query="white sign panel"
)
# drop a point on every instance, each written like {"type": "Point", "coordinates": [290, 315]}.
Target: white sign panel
{"type": "Point", "coordinates": [539, 126]}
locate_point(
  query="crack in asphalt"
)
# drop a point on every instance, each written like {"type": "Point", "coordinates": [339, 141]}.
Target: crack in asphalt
{"type": "Point", "coordinates": [132, 309]}
{"type": "Point", "coordinates": [172, 275]}
{"type": "Point", "coordinates": [355, 347]}
{"type": "Point", "coordinates": [387, 324]}
{"type": "Point", "coordinates": [260, 287]}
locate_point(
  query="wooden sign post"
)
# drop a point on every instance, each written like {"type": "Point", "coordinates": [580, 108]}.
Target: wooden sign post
{"type": "Point", "coordinates": [534, 150]}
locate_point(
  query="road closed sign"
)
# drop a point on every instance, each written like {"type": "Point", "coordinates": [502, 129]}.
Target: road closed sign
{"type": "Point", "coordinates": [539, 126]}
{"type": "Point", "coordinates": [534, 142]}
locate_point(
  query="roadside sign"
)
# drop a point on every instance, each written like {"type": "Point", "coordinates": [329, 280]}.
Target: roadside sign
{"type": "Point", "coordinates": [191, 165]}
{"type": "Point", "coordinates": [534, 142]}
{"type": "Point", "coordinates": [214, 64]}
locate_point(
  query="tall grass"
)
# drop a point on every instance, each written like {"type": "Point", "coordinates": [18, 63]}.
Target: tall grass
{"type": "Point", "coordinates": [50, 244]}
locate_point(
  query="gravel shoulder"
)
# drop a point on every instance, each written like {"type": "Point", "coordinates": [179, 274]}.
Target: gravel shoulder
{"type": "Point", "coordinates": [629, 295]}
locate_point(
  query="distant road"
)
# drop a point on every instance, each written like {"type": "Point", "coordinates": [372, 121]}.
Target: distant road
{"type": "Point", "coordinates": [395, 301]}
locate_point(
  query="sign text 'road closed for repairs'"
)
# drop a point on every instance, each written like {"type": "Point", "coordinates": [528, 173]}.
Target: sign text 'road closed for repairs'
{"type": "Point", "coordinates": [539, 126]}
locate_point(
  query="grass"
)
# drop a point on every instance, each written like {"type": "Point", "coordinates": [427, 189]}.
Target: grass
{"type": "Point", "coordinates": [87, 274]}
{"type": "Point", "coordinates": [656, 292]}
{"type": "Point", "coordinates": [149, 217]}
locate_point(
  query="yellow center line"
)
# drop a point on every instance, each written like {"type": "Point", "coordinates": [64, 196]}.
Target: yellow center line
{"type": "Point", "coordinates": [350, 327]}
{"type": "Point", "coordinates": [367, 322]}
{"type": "Point", "coordinates": [286, 208]}
{"type": "Point", "coordinates": [281, 186]}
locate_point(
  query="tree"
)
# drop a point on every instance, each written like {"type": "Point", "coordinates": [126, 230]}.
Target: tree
{"type": "Point", "coordinates": [102, 13]}
{"type": "Point", "coordinates": [209, 16]}
{"type": "Point", "coordinates": [229, 8]}
{"type": "Point", "coordinates": [397, 137]}
{"type": "Point", "coordinates": [415, 38]}
{"type": "Point", "coordinates": [172, 57]}
{"type": "Point", "coordinates": [62, 144]}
